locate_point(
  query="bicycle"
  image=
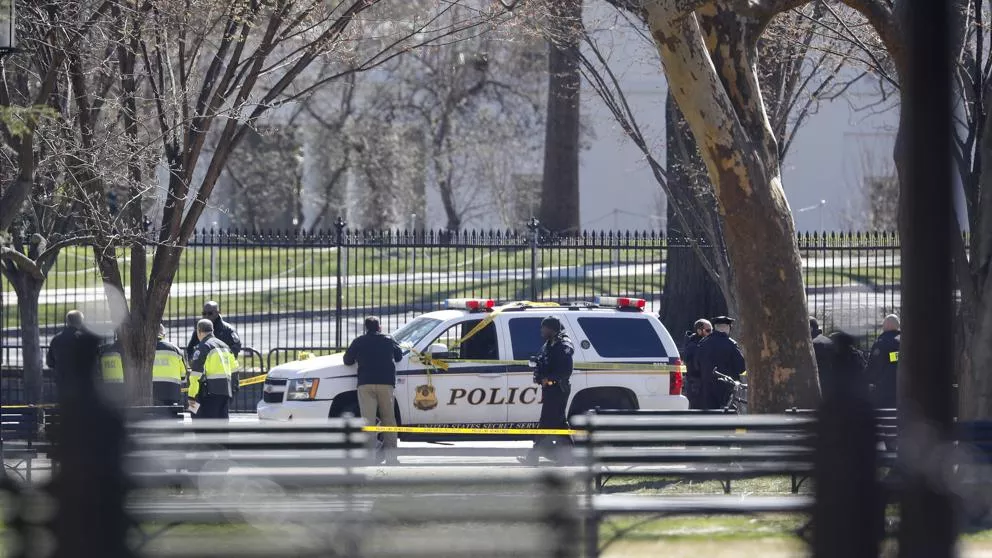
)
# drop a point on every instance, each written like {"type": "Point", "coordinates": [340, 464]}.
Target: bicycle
{"type": "Point", "coordinates": [737, 399]}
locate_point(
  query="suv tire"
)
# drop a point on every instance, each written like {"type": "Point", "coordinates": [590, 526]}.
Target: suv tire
{"type": "Point", "coordinates": [609, 401]}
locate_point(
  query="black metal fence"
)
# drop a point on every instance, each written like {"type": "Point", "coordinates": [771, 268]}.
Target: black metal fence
{"type": "Point", "coordinates": [292, 291]}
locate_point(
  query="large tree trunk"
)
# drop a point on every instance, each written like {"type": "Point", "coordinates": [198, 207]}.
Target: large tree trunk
{"type": "Point", "coordinates": [560, 187]}
{"type": "Point", "coordinates": [974, 335]}
{"type": "Point", "coordinates": [734, 136]}
{"type": "Point", "coordinates": [136, 321]}
{"type": "Point", "coordinates": [138, 341]}
{"type": "Point", "coordinates": [690, 289]}
{"type": "Point", "coordinates": [28, 290]}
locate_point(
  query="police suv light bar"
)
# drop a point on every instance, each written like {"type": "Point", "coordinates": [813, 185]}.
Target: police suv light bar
{"type": "Point", "coordinates": [469, 304]}
{"type": "Point", "coordinates": [619, 302]}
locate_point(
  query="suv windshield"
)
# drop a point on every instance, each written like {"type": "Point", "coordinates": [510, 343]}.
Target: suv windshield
{"type": "Point", "coordinates": [413, 332]}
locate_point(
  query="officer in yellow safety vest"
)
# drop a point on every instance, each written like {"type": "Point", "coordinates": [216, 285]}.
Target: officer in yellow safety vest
{"type": "Point", "coordinates": [211, 367]}
{"type": "Point", "coordinates": [168, 371]}
{"type": "Point", "coordinates": [112, 370]}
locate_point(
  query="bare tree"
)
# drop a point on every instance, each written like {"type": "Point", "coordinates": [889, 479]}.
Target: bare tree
{"type": "Point", "coordinates": [720, 95]}
{"type": "Point", "coordinates": [560, 186]}
{"type": "Point", "coordinates": [799, 68]}
{"type": "Point", "coordinates": [39, 198]}
{"type": "Point", "coordinates": [474, 100]}
{"type": "Point", "coordinates": [189, 76]}
{"type": "Point", "coordinates": [265, 173]}
{"type": "Point", "coordinates": [973, 253]}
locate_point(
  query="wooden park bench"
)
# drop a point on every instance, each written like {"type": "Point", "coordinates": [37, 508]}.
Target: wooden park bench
{"type": "Point", "coordinates": [698, 445]}
{"type": "Point", "coordinates": [22, 438]}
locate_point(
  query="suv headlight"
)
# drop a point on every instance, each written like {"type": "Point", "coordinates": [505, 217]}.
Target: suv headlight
{"type": "Point", "coordinates": [302, 390]}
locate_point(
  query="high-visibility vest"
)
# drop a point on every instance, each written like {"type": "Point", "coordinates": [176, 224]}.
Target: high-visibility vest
{"type": "Point", "coordinates": [112, 365]}
{"type": "Point", "coordinates": [167, 372]}
{"type": "Point", "coordinates": [218, 366]}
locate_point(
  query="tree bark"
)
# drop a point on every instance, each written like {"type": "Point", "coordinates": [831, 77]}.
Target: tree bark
{"type": "Point", "coordinates": [138, 342]}
{"type": "Point", "coordinates": [727, 119]}
{"type": "Point", "coordinates": [975, 309]}
{"type": "Point", "coordinates": [560, 186]}
{"type": "Point", "coordinates": [28, 290]}
{"type": "Point", "coordinates": [690, 289]}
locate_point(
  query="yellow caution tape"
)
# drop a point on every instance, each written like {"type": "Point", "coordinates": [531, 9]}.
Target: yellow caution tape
{"type": "Point", "coordinates": [578, 366]}
{"type": "Point", "coordinates": [38, 406]}
{"type": "Point", "coordinates": [429, 430]}
{"type": "Point", "coordinates": [253, 380]}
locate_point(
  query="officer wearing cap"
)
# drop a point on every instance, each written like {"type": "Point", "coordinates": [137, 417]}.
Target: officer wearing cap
{"type": "Point", "coordinates": [210, 374]}
{"type": "Point", "coordinates": [223, 331]}
{"type": "Point", "coordinates": [721, 353]}
{"type": "Point", "coordinates": [553, 370]}
{"type": "Point", "coordinates": [168, 371]}
{"type": "Point", "coordinates": [693, 377]}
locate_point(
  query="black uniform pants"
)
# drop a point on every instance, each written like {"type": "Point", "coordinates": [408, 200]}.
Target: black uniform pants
{"type": "Point", "coordinates": [213, 406]}
{"type": "Point", "coordinates": [555, 400]}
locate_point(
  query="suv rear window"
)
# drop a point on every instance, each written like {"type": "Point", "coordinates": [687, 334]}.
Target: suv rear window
{"type": "Point", "coordinates": [623, 337]}
{"type": "Point", "coordinates": [525, 335]}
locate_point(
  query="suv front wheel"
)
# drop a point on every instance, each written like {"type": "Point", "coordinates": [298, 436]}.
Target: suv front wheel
{"type": "Point", "coordinates": [614, 399]}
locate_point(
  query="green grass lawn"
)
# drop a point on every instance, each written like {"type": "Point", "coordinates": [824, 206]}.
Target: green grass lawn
{"type": "Point", "coordinates": [414, 295]}
{"type": "Point", "coordinates": [301, 267]}
{"type": "Point", "coordinates": [411, 294]}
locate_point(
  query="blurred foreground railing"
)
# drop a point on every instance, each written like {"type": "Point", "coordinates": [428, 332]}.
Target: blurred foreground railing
{"type": "Point", "coordinates": [306, 489]}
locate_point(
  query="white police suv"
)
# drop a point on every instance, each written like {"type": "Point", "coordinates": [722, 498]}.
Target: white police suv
{"type": "Point", "coordinates": [467, 365]}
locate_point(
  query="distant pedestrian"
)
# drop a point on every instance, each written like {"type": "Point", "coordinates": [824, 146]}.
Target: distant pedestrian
{"type": "Point", "coordinates": [693, 375]}
{"type": "Point", "coordinates": [210, 374]}
{"type": "Point", "coordinates": [376, 355]}
{"type": "Point", "coordinates": [222, 331]}
{"type": "Point", "coordinates": [883, 364]}
{"type": "Point", "coordinates": [168, 372]}
{"type": "Point", "coordinates": [59, 358]}
{"type": "Point", "coordinates": [721, 353]}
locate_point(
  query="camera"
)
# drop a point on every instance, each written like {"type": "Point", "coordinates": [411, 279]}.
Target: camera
{"type": "Point", "coordinates": [539, 363]}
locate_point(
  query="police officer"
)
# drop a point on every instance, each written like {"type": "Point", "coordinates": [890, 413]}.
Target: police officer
{"type": "Point", "coordinates": [59, 357]}
{"type": "Point", "coordinates": [222, 331]}
{"type": "Point", "coordinates": [168, 371]}
{"type": "Point", "coordinates": [883, 364]}
{"type": "Point", "coordinates": [693, 376]}
{"type": "Point", "coordinates": [553, 370]}
{"type": "Point", "coordinates": [721, 353]}
{"type": "Point", "coordinates": [210, 374]}
{"type": "Point", "coordinates": [112, 370]}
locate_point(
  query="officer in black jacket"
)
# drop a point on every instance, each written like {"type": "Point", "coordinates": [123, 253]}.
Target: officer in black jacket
{"type": "Point", "coordinates": [883, 364]}
{"type": "Point", "coordinates": [60, 357]}
{"type": "Point", "coordinates": [553, 372]}
{"type": "Point", "coordinates": [222, 331]}
{"type": "Point", "coordinates": [693, 376]}
{"type": "Point", "coordinates": [721, 353]}
{"type": "Point", "coordinates": [376, 355]}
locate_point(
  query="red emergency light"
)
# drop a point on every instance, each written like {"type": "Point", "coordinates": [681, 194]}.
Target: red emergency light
{"type": "Point", "coordinates": [676, 379]}
{"type": "Point", "coordinates": [469, 304]}
{"type": "Point", "coordinates": [621, 302]}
